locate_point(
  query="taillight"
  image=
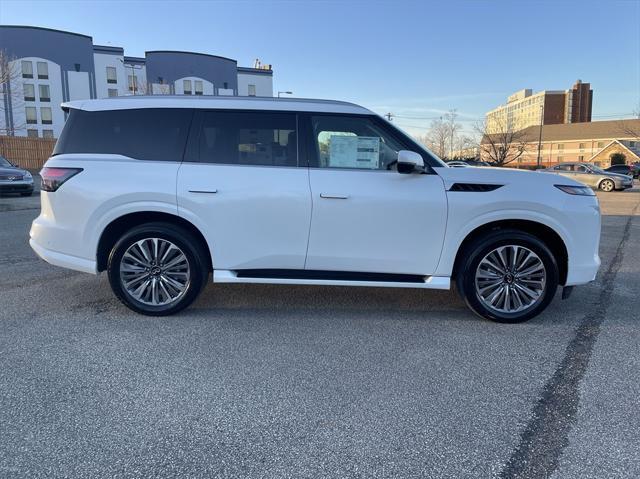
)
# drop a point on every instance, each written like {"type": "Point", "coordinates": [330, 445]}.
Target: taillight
{"type": "Point", "coordinates": [54, 177]}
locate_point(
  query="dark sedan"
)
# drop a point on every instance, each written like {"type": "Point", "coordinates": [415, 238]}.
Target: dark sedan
{"type": "Point", "coordinates": [14, 179]}
{"type": "Point", "coordinates": [631, 170]}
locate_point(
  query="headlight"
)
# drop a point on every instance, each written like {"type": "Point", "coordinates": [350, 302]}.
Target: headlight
{"type": "Point", "coordinates": [576, 190]}
{"type": "Point", "coordinates": [27, 175]}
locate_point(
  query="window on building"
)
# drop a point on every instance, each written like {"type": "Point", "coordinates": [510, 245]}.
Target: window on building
{"type": "Point", "coordinates": [581, 146]}
{"type": "Point", "coordinates": [560, 146]}
{"type": "Point", "coordinates": [112, 76]}
{"type": "Point", "coordinates": [47, 133]}
{"type": "Point", "coordinates": [238, 138]}
{"type": "Point", "coordinates": [225, 85]}
{"type": "Point", "coordinates": [186, 87]}
{"type": "Point", "coordinates": [580, 157]}
{"type": "Point", "coordinates": [559, 158]}
{"type": "Point", "coordinates": [132, 82]}
{"type": "Point", "coordinates": [113, 92]}
{"type": "Point", "coordinates": [198, 87]}
{"type": "Point", "coordinates": [32, 133]}
{"type": "Point", "coordinates": [29, 92]}
{"type": "Point", "coordinates": [343, 142]}
{"type": "Point", "coordinates": [43, 71]}
{"type": "Point", "coordinates": [32, 115]}
{"type": "Point", "coordinates": [145, 134]}
{"type": "Point", "coordinates": [252, 90]}
{"type": "Point", "coordinates": [27, 69]}
{"type": "Point", "coordinates": [601, 144]}
{"type": "Point", "coordinates": [45, 94]}
{"type": "Point", "coordinates": [632, 144]}
{"type": "Point", "coordinates": [45, 115]}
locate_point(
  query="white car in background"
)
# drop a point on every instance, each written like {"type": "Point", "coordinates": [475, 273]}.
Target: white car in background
{"type": "Point", "coordinates": [161, 191]}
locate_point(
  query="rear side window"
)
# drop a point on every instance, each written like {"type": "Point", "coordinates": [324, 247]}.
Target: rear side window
{"type": "Point", "coordinates": [247, 138]}
{"type": "Point", "coordinates": [144, 134]}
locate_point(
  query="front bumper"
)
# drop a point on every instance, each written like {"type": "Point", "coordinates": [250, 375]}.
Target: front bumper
{"type": "Point", "coordinates": [16, 186]}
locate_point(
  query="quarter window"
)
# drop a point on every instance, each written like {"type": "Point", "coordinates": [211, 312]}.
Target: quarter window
{"type": "Point", "coordinates": [254, 138]}
{"type": "Point", "coordinates": [43, 70]}
{"type": "Point", "coordinates": [145, 134]}
{"type": "Point", "coordinates": [353, 142]}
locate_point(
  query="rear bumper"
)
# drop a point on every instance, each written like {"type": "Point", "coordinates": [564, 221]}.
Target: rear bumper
{"type": "Point", "coordinates": [64, 260]}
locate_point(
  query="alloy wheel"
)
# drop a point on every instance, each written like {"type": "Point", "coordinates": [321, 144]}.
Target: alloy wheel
{"type": "Point", "coordinates": [510, 279]}
{"type": "Point", "coordinates": [607, 185]}
{"type": "Point", "coordinates": [154, 271]}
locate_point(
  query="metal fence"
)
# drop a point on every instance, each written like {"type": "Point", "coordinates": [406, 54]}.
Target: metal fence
{"type": "Point", "coordinates": [30, 153]}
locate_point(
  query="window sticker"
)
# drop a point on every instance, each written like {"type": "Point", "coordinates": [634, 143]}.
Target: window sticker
{"type": "Point", "coordinates": [354, 152]}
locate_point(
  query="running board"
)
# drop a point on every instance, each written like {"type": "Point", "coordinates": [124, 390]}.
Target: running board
{"type": "Point", "coordinates": [424, 282]}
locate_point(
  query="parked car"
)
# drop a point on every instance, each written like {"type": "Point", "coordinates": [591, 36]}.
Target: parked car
{"type": "Point", "coordinates": [629, 170]}
{"type": "Point", "coordinates": [160, 191]}
{"type": "Point", "coordinates": [457, 164]}
{"type": "Point", "coordinates": [592, 176]}
{"type": "Point", "coordinates": [477, 163]}
{"type": "Point", "coordinates": [14, 179]}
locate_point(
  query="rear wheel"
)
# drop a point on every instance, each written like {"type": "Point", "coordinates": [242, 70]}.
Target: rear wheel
{"type": "Point", "coordinates": [607, 185]}
{"type": "Point", "coordinates": [508, 276]}
{"type": "Point", "coordinates": [157, 269]}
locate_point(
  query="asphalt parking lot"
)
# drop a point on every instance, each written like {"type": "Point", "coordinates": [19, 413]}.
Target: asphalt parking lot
{"type": "Point", "coordinates": [275, 381]}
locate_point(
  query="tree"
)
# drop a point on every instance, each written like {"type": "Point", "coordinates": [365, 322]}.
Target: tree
{"type": "Point", "coordinates": [437, 137]}
{"type": "Point", "coordinates": [503, 145]}
{"type": "Point", "coordinates": [452, 128]}
{"type": "Point", "coordinates": [618, 159]}
{"type": "Point", "coordinates": [10, 91]}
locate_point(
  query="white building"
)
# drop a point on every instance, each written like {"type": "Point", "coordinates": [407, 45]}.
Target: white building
{"type": "Point", "coordinates": [51, 66]}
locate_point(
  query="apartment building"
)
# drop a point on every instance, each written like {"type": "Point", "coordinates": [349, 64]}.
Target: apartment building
{"type": "Point", "coordinates": [550, 107]}
{"type": "Point", "coordinates": [592, 142]}
{"type": "Point", "coordinates": [47, 67]}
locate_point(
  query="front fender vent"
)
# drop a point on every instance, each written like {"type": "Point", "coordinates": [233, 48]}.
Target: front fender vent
{"type": "Point", "coordinates": [475, 187]}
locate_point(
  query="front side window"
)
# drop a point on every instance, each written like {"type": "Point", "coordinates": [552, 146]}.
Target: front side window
{"type": "Point", "coordinates": [43, 70]}
{"type": "Point", "coordinates": [29, 92]}
{"type": "Point", "coordinates": [45, 114]}
{"type": "Point", "coordinates": [45, 94]}
{"type": "Point", "coordinates": [32, 116]}
{"type": "Point", "coordinates": [353, 142]}
{"type": "Point", "coordinates": [144, 134]}
{"type": "Point", "coordinates": [27, 69]}
{"type": "Point", "coordinates": [111, 75]}
{"type": "Point", "coordinates": [248, 138]}
{"type": "Point", "coordinates": [187, 87]}
{"type": "Point", "coordinates": [581, 169]}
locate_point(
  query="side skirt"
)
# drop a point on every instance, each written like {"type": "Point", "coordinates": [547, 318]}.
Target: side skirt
{"type": "Point", "coordinates": [331, 278]}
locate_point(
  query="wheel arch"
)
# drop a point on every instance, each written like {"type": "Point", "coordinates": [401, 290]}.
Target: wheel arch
{"type": "Point", "coordinates": [540, 230]}
{"type": "Point", "coordinates": [605, 179]}
{"type": "Point", "coordinates": [117, 227]}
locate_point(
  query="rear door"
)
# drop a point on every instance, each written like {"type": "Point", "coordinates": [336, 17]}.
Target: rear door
{"type": "Point", "coordinates": [241, 183]}
{"type": "Point", "coordinates": [367, 217]}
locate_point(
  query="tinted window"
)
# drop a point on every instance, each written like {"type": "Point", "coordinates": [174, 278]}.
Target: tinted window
{"type": "Point", "coordinates": [144, 134]}
{"type": "Point", "coordinates": [247, 138]}
{"type": "Point", "coordinates": [353, 142]}
{"type": "Point", "coordinates": [564, 167]}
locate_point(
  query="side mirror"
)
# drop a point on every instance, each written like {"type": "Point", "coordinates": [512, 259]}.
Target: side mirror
{"type": "Point", "coordinates": [409, 161]}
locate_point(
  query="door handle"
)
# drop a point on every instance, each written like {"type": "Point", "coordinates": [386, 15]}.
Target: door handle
{"type": "Point", "coordinates": [203, 191]}
{"type": "Point", "coordinates": [333, 196]}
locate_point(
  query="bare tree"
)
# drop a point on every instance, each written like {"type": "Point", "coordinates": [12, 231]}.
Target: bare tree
{"type": "Point", "coordinates": [437, 137]}
{"type": "Point", "coordinates": [629, 128]}
{"type": "Point", "coordinates": [452, 128]}
{"type": "Point", "coordinates": [10, 91]}
{"type": "Point", "coordinates": [503, 146]}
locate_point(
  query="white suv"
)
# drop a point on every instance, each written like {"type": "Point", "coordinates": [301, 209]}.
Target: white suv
{"type": "Point", "coordinates": [160, 191]}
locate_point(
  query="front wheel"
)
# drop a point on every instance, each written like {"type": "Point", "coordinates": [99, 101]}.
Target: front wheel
{"type": "Point", "coordinates": [157, 269]}
{"type": "Point", "coordinates": [607, 185]}
{"type": "Point", "coordinates": [508, 276]}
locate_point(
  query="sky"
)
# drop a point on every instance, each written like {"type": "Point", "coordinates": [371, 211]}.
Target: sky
{"type": "Point", "coordinates": [414, 59]}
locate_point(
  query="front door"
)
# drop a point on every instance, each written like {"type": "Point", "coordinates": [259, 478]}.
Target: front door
{"type": "Point", "coordinates": [366, 216]}
{"type": "Point", "coordinates": [241, 184]}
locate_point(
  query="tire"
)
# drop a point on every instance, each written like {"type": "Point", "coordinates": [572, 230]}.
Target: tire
{"type": "Point", "coordinates": [477, 281]}
{"type": "Point", "coordinates": [607, 185]}
{"type": "Point", "coordinates": [168, 290]}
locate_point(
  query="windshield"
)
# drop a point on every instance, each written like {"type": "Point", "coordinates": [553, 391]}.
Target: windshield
{"type": "Point", "coordinates": [4, 162]}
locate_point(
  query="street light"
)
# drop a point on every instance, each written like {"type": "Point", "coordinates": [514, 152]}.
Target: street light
{"type": "Point", "coordinates": [284, 93]}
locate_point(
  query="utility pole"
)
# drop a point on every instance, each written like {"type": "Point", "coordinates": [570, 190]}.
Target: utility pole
{"type": "Point", "coordinates": [389, 116]}
{"type": "Point", "coordinates": [539, 162]}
